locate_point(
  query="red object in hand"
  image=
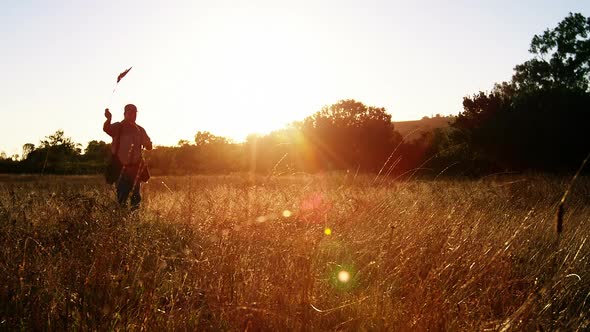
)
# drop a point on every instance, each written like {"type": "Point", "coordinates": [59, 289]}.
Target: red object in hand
{"type": "Point", "coordinates": [120, 77]}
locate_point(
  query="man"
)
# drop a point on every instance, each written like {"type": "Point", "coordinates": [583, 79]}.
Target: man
{"type": "Point", "coordinates": [128, 140]}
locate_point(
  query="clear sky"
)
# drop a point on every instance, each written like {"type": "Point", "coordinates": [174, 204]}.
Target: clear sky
{"type": "Point", "coordinates": [236, 67]}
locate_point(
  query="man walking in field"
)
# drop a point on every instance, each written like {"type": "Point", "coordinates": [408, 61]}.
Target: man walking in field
{"type": "Point", "coordinates": [128, 167]}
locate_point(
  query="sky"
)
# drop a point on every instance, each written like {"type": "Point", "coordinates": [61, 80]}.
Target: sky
{"type": "Point", "coordinates": [253, 66]}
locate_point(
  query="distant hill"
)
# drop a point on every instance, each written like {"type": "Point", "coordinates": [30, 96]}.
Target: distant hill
{"type": "Point", "coordinates": [416, 127]}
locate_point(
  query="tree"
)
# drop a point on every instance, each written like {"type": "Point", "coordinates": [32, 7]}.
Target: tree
{"type": "Point", "coordinates": [27, 148]}
{"type": "Point", "coordinates": [58, 140]}
{"type": "Point", "coordinates": [183, 142]}
{"type": "Point", "coordinates": [541, 118]}
{"type": "Point", "coordinates": [8, 164]}
{"type": "Point", "coordinates": [482, 122]}
{"type": "Point", "coordinates": [562, 57]}
{"type": "Point", "coordinates": [96, 152]}
{"type": "Point", "coordinates": [215, 153]}
{"type": "Point", "coordinates": [56, 154]}
{"type": "Point", "coordinates": [350, 135]}
{"type": "Point", "coordinates": [203, 138]}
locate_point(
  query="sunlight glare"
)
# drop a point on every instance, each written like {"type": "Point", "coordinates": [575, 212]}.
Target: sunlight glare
{"type": "Point", "coordinates": [343, 276]}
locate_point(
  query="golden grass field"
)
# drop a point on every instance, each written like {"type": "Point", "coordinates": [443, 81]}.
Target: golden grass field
{"type": "Point", "coordinates": [323, 252]}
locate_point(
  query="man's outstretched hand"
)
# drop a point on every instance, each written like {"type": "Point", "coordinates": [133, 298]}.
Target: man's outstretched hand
{"type": "Point", "coordinates": [107, 114]}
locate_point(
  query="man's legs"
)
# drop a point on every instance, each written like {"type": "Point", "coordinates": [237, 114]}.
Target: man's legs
{"type": "Point", "coordinates": [123, 188]}
{"type": "Point", "coordinates": [126, 186]}
{"type": "Point", "coordinates": [136, 196]}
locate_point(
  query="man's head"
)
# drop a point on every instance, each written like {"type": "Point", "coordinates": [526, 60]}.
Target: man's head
{"type": "Point", "coordinates": [130, 113]}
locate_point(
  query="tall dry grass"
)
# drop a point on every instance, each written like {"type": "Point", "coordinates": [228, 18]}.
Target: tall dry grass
{"type": "Point", "coordinates": [221, 253]}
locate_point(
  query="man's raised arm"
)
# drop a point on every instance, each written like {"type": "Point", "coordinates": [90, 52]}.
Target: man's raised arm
{"type": "Point", "coordinates": [107, 124]}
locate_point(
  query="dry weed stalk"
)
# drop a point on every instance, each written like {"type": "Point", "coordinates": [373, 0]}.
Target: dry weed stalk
{"type": "Point", "coordinates": [561, 206]}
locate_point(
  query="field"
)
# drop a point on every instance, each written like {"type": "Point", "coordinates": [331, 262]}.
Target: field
{"type": "Point", "coordinates": [324, 252]}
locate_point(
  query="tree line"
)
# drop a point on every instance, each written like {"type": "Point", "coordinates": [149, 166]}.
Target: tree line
{"type": "Point", "coordinates": [539, 120]}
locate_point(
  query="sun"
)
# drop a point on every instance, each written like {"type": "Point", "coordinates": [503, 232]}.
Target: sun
{"type": "Point", "coordinates": [243, 79]}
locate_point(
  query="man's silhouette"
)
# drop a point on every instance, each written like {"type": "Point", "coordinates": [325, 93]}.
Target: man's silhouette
{"type": "Point", "coordinates": [128, 140]}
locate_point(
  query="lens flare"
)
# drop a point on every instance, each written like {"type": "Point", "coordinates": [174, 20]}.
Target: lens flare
{"type": "Point", "coordinates": [328, 231]}
{"type": "Point", "coordinates": [343, 276]}
{"type": "Point", "coordinates": [287, 213]}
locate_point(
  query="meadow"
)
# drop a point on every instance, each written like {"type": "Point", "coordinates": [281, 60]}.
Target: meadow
{"type": "Point", "coordinates": [305, 252]}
